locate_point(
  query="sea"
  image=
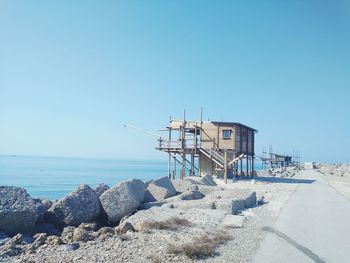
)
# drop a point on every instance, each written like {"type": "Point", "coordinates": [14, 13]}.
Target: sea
{"type": "Point", "coordinates": [55, 177]}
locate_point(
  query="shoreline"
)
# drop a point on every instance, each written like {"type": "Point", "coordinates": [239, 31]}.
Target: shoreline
{"type": "Point", "coordinates": [53, 178]}
{"type": "Point", "coordinates": [164, 229]}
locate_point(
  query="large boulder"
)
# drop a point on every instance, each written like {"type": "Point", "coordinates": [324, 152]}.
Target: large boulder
{"type": "Point", "coordinates": [181, 185]}
{"type": "Point", "coordinates": [232, 207]}
{"type": "Point", "coordinates": [100, 189]}
{"type": "Point", "coordinates": [250, 200]}
{"type": "Point", "coordinates": [82, 205]}
{"type": "Point", "coordinates": [18, 211]}
{"type": "Point", "coordinates": [208, 180]}
{"type": "Point", "coordinates": [243, 200]}
{"type": "Point", "coordinates": [191, 195]}
{"type": "Point", "coordinates": [159, 190]}
{"type": "Point", "coordinates": [122, 199]}
{"type": "Point", "coordinates": [165, 182]}
{"type": "Point", "coordinates": [156, 193]}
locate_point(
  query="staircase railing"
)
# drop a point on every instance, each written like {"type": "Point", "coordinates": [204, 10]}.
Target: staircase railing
{"type": "Point", "coordinates": [219, 158]}
{"type": "Point", "coordinates": [176, 144]}
{"type": "Point", "coordinates": [214, 155]}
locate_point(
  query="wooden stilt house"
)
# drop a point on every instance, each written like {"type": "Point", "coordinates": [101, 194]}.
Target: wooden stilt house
{"type": "Point", "coordinates": [224, 149]}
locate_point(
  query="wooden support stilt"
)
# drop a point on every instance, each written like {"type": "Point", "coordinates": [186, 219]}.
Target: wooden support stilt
{"type": "Point", "coordinates": [192, 164]}
{"type": "Point", "coordinates": [174, 171]}
{"type": "Point", "coordinates": [253, 171]}
{"type": "Point", "coordinates": [236, 168]}
{"type": "Point", "coordinates": [247, 166]}
{"type": "Point", "coordinates": [241, 167]}
{"type": "Point", "coordinates": [225, 167]}
{"type": "Point", "coordinates": [169, 161]}
{"type": "Point", "coordinates": [183, 170]}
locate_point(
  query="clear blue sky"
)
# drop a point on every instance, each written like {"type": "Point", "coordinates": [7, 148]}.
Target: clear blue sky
{"type": "Point", "coordinates": [73, 72]}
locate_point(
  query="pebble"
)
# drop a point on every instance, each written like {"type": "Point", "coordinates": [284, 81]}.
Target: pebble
{"type": "Point", "coordinates": [73, 246]}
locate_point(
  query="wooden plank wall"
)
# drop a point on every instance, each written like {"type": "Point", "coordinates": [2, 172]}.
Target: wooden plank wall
{"type": "Point", "coordinates": [212, 136]}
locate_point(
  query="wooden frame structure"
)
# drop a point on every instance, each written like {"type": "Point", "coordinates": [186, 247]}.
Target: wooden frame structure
{"type": "Point", "coordinates": [213, 148]}
{"type": "Point", "coordinates": [274, 160]}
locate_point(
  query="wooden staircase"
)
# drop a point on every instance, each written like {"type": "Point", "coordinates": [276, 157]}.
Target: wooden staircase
{"type": "Point", "coordinates": [218, 158]}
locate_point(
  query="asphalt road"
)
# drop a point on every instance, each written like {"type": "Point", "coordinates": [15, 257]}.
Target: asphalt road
{"type": "Point", "coordinates": [314, 226]}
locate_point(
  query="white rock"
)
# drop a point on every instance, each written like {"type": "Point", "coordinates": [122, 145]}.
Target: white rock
{"type": "Point", "coordinates": [123, 199]}
{"type": "Point", "coordinates": [18, 211]}
{"type": "Point", "coordinates": [80, 206]}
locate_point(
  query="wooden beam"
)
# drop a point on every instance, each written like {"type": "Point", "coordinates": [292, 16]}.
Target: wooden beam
{"type": "Point", "coordinates": [236, 170]}
{"type": "Point", "coordinates": [241, 168]}
{"type": "Point", "coordinates": [174, 171]}
{"type": "Point", "coordinates": [253, 146]}
{"type": "Point", "coordinates": [192, 164]}
{"type": "Point", "coordinates": [169, 157]}
{"type": "Point", "coordinates": [236, 159]}
{"type": "Point", "coordinates": [218, 137]}
{"type": "Point", "coordinates": [169, 161]}
{"type": "Point", "coordinates": [241, 141]}
{"type": "Point", "coordinates": [247, 166]}
{"type": "Point", "coordinates": [183, 166]}
{"type": "Point", "coordinates": [225, 167]}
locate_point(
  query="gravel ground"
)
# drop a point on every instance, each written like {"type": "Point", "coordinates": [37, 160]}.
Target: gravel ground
{"type": "Point", "coordinates": [244, 230]}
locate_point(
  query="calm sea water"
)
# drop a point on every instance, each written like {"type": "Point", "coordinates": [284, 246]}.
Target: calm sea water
{"type": "Point", "coordinates": [55, 177]}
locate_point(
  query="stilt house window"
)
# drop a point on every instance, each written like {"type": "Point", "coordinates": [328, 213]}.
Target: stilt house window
{"type": "Point", "coordinates": [226, 134]}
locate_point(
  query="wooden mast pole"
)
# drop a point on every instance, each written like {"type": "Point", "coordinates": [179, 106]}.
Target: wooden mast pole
{"type": "Point", "coordinates": [183, 145]}
{"type": "Point", "coordinates": [200, 142]}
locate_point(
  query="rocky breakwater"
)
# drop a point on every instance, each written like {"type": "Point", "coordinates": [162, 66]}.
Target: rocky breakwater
{"type": "Point", "coordinates": [339, 170]}
{"type": "Point", "coordinates": [82, 205]}
{"type": "Point", "coordinates": [18, 211]}
{"type": "Point", "coordinates": [89, 216]}
{"type": "Point", "coordinates": [289, 171]}
{"type": "Point", "coordinates": [122, 199]}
